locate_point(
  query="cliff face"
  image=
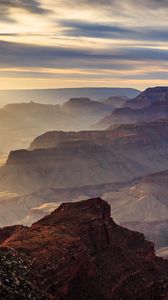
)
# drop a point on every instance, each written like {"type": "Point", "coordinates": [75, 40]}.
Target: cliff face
{"type": "Point", "coordinates": [79, 252]}
{"type": "Point", "coordinates": [141, 133]}
{"type": "Point", "coordinates": [155, 231]}
{"type": "Point", "coordinates": [155, 112]}
{"type": "Point", "coordinates": [144, 201]}
{"type": "Point", "coordinates": [151, 105]}
{"type": "Point", "coordinates": [87, 158]}
{"type": "Point", "coordinates": [143, 206]}
{"type": "Point", "coordinates": [147, 97]}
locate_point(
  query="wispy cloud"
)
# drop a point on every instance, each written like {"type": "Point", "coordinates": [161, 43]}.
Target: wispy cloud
{"type": "Point", "coordinates": [86, 29]}
{"type": "Point", "coordinates": [84, 40]}
{"type": "Point", "coordinates": [146, 3]}
{"type": "Point", "coordinates": [31, 6]}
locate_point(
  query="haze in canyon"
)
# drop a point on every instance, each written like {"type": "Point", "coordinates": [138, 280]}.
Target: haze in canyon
{"type": "Point", "coordinates": [83, 150]}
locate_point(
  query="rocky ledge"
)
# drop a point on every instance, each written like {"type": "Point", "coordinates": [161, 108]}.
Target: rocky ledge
{"type": "Point", "coordinates": [78, 252]}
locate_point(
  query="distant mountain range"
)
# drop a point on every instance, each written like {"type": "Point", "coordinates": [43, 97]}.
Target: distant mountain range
{"type": "Point", "coordinates": [59, 96]}
{"type": "Point", "coordinates": [21, 122]}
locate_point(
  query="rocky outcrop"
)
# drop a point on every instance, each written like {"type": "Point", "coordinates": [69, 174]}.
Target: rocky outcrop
{"type": "Point", "coordinates": [155, 112]}
{"type": "Point", "coordinates": [142, 133]}
{"type": "Point", "coordinates": [147, 97]}
{"type": "Point", "coordinates": [15, 281]}
{"type": "Point", "coordinates": [54, 138]}
{"type": "Point", "coordinates": [155, 109]}
{"type": "Point", "coordinates": [9, 231]}
{"type": "Point", "coordinates": [155, 231]}
{"type": "Point", "coordinates": [79, 252]}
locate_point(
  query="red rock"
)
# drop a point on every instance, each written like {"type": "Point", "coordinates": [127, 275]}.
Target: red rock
{"type": "Point", "coordinates": [78, 252]}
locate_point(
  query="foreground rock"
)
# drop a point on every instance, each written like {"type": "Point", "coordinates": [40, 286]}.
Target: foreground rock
{"type": "Point", "coordinates": [79, 252]}
{"type": "Point", "coordinates": [15, 283]}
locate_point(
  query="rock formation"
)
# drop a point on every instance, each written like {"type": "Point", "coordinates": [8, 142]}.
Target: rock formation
{"type": "Point", "coordinates": [79, 252]}
{"type": "Point", "coordinates": [151, 105]}
{"type": "Point", "coordinates": [21, 122]}
{"type": "Point", "coordinates": [15, 278]}
{"type": "Point", "coordinates": [147, 97]}
{"type": "Point", "coordinates": [116, 101]}
{"type": "Point", "coordinates": [118, 155]}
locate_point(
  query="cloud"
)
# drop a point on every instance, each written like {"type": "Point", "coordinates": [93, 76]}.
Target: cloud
{"type": "Point", "coordinates": [31, 6]}
{"type": "Point", "coordinates": [86, 29]}
{"type": "Point", "coordinates": [6, 34]}
{"type": "Point", "coordinates": [111, 38]}
{"type": "Point", "coordinates": [146, 76]}
{"type": "Point", "coordinates": [154, 3]}
{"type": "Point", "coordinates": [21, 55]}
{"type": "Point", "coordinates": [146, 3]}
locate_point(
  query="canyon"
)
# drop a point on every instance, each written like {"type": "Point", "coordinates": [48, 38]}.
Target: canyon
{"type": "Point", "coordinates": [126, 164]}
{"type": "Point", "coordinates": [21, 122]}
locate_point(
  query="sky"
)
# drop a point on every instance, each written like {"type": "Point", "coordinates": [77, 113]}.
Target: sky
{"type": "Point", "coordinates": [81, 43]}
